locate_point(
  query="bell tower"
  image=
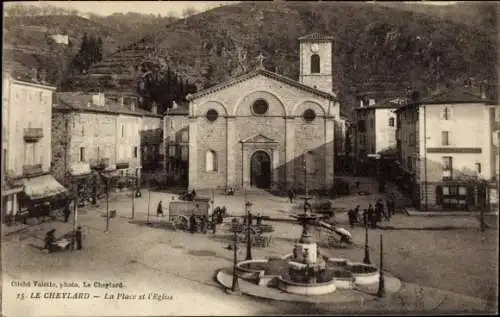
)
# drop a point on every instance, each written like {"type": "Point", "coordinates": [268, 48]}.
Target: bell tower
{"type": "Point", "coordinates": [316, 59]}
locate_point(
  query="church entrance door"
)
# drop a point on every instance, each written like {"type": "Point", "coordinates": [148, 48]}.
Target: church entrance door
{"type": "Point", "coordinates": [260, 170]}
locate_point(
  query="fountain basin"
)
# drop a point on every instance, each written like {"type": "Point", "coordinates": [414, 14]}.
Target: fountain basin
{"type": "Point", "coordinates": [306, 288]}
{"type": "Point", "coordinates": [252, 269]}
{"type": "Point", "coordinates": [364, 273]}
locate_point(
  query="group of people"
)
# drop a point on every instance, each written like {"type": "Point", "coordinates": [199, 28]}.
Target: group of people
{"type": "Point", "coordinates": [373, 215]}
{"type": "Point", "coordinates": [50, 240]}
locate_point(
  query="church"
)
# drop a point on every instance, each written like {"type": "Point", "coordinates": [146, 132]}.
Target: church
{"type": "Point", "coordinates": [265, 130]}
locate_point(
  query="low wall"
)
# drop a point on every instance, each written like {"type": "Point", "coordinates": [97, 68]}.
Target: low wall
{"type": "Point", "coordinates": [344, 282]}
{"type": "Point", "coordinates": [247, 273]}
{"type": "Point", "coordinates": [365, 278]}
{"type": "Point", "coordinates": [306, 289]}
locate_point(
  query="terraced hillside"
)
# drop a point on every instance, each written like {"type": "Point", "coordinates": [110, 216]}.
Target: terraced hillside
{"type": "Point", "coordinates": [376, 47]}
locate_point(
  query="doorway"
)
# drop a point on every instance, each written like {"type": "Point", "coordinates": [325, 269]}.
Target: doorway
{"type": "Point", "coordinates": [260, 170]}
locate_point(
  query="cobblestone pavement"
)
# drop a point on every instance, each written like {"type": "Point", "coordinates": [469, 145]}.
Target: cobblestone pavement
{"type": "Point", "coordinates": [181, 264]}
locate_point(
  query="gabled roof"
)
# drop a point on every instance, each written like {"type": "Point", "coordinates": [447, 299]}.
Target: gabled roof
{"type": "Point", "coordinates": [255, 73]}
{"type": "Point", "coordinates": [388, 103]}
{"type": "Point", "coordinates": [316, 37]}
{"type": "Point", "coordinates": [455, 95]}
{"type": "Point", "coordinates": [259, 138]}
{"type": "Point", "coordinates": [80, 101]}
{"type": "Point", "coordinates": [460, 94]}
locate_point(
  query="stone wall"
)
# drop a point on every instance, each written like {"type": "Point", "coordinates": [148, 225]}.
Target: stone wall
{"type": "Point", "coordinates": [60, 140]}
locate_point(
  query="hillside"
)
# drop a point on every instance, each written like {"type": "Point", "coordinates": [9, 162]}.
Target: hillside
{"type": "Point", "coordinates": [27, 44]}
{"type": "Point", "coordinates": [376, 47]}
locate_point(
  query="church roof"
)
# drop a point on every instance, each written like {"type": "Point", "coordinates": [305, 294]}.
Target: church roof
{"type": "Point", "coordinates": [316, 37]}
{"type": "Point", "coordinates": [263, 72]}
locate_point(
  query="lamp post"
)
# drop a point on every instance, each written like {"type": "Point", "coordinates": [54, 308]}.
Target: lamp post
{"type": "Point", "coordinates": [107, 204]}
{"type": "Point", "coordinates": [381, 281]}
{"type": "Point", "coordinates": [149, 201]}
{"type": "Point", "coordinates": [249, 232]}
{"type": "Point", "coordinates": [366, 259]}
{"type": "Point", "coordinates": [75, 211]}
{"type": "Point", "coordinates": [235, 287]}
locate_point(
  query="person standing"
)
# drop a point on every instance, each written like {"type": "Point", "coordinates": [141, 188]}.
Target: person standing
{"type": "Point", "coordinates": [79, 238]}
{"type": "Point", "coordinates": [49, 240]}
{"type": "Point", "coordinates": [192, 223]}
{"type": "Point", "coordinates": [371, 217]}
{"type": "Point", "coordinates": [214, 223]}
{"type": "Point", "coordinates": [159, 210]}
{"type": "Point", "coordinates": [350, 216]}
{"type": "Point", "coordinates": [259, 219]}
{"type": "Point", "coordinates": [204, 223]}
{"type": "Point", "coordinates": [67, 212]}
{"type": "Point", "coordinates": [291, 195]}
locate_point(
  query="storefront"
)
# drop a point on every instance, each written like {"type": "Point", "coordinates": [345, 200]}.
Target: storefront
{"type": "Point", "coordinates": [10, 205]}
{"type": "Point", "coordinates": [42, 196]}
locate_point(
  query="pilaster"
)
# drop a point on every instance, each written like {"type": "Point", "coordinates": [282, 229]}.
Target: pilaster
{"type": "Point", "coordinates": [193, 152]}
{"type": "Point", "coordinates": [329, 151]}
{"type": "Point", "coordinates": [289, 151]}
{"type": "Point", "coordinates": [230, 150]}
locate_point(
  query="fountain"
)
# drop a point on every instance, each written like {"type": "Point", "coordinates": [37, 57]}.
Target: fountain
{"type": "Point", "coordinates": [305, 271]}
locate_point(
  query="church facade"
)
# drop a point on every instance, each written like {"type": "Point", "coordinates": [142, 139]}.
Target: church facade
{"type": "Point", "coordinates": [265, 130]}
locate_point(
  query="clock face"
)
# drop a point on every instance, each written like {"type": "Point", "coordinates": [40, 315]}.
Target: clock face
{"type": "Point", "coordinates": [315, 48]}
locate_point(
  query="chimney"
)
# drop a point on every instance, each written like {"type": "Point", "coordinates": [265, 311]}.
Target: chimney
{"type": "Point", "coordinates": [34, 75]}
{"type": "Point", "coordinates": [371, 102]}
{"type": "Point", "coordinates": [98, 99]}
{"type": "Point", "coordinates": [361, 103]}
{"type": "Point", "coordinates": [121, 100]}
{"type": "Point", "coordinates": [154, 108]}
{"type": "Point", "coordinates": [174, 105]}
{"type": "Point", "coordinates": [482, 88]}
{"type": "Point", "coordinates": [132, 105]}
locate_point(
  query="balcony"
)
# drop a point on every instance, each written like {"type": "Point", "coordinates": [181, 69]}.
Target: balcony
{"type": "Point", "coordinates": [33, 134]}
{"type": "Point", "coordinates": [447, 175]}
{"type": "Point", "coordinates": [32, 170]}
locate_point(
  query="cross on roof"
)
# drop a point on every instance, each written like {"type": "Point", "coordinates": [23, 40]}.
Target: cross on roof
{"type": "Point", "coordinates": [260, 59]}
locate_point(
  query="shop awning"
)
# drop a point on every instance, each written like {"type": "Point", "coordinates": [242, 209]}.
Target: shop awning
{"type": "Point", "coordinates": [43, 187]}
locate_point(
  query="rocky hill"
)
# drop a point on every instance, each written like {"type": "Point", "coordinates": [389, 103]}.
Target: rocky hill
{"type": "Point", "coordinates": [376, 47]}
{"type": "Point", "coordinates": [27, 42]}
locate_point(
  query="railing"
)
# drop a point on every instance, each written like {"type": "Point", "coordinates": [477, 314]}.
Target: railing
{"type": "Point", "coordinates": [33, 134]}
{"type": "Point", "coordinates": [31, 170]}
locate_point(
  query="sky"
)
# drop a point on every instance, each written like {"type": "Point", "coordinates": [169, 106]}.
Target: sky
{"type": "Point", "coordinates": [147, 7]}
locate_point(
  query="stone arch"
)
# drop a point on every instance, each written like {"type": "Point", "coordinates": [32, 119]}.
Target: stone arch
{"type": "Point", "coordinates": [254, 95]}
{"type": "Point", "coordinates": [200, 110]}
{"type": "Point", "coordinates": [297, 111]}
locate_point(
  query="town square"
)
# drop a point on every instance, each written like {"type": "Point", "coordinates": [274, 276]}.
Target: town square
{"type": "Point", "coordinates": [206, 162]}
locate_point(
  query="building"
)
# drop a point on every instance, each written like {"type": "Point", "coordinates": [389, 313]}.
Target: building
{"type": "Point", "coordinates": [152, 149]}
{"type": "Point", "coordinates": [96, 132]}
{"type": "Point", "coordinates": [176, 140]}
{"type": "Point", "coordinates": [265, 130]}
{"type": "Point", "coordinates": [60, 38]}
{"type": "Point", "coordinates": [26, 148]}
{"type": "Point", "coordinates": [445, 146]}
{"type": "Point", "coordinates": [374, 131]}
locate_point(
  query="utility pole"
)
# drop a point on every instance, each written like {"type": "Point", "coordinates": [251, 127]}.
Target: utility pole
{"type": "Point", "coordinates": [149, 201]}
{"type": "Point", "coordinates": [381, 281]}
{"type": "Point", "coordinates": [249, 231]}
{"type": "Point", "coordinates": [366, 259]}
{"type": "Point", "coordinates": [107, 204]}
{"type": "Point", "coordinates": [75, 211]}
{"type": "Point", "coordinates": [235, 287]}
{"type": "Point", "coordinates": [133, 195]}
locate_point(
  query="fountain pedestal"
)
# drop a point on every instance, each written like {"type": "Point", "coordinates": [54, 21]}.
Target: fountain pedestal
{"type": "Point", "coordinates": [306, 252]}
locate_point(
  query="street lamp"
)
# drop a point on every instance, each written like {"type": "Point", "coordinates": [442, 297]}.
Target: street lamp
{"type": "Point", "coordinates": [249, 232]}
{"type": "Point", "coordinates": [75, 211]}
{"type": "Point", "coordinates": [107, 203]}
{"type": "Point", "coordinates": [149, 201]}
{"type": "Point", "coordinates": [381, 281]}
{"type": "Point", "coordinates": [366, 259]}
{"type": "Point", "coordinates": [235, 287]}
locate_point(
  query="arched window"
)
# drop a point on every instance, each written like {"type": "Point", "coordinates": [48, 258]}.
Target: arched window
{"type": "Point", "coordinates": [315, 69]}
{"type": "Point", "coordinates": [211, 161]}
{"type": "Point", "coordinates": [391, 122]}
